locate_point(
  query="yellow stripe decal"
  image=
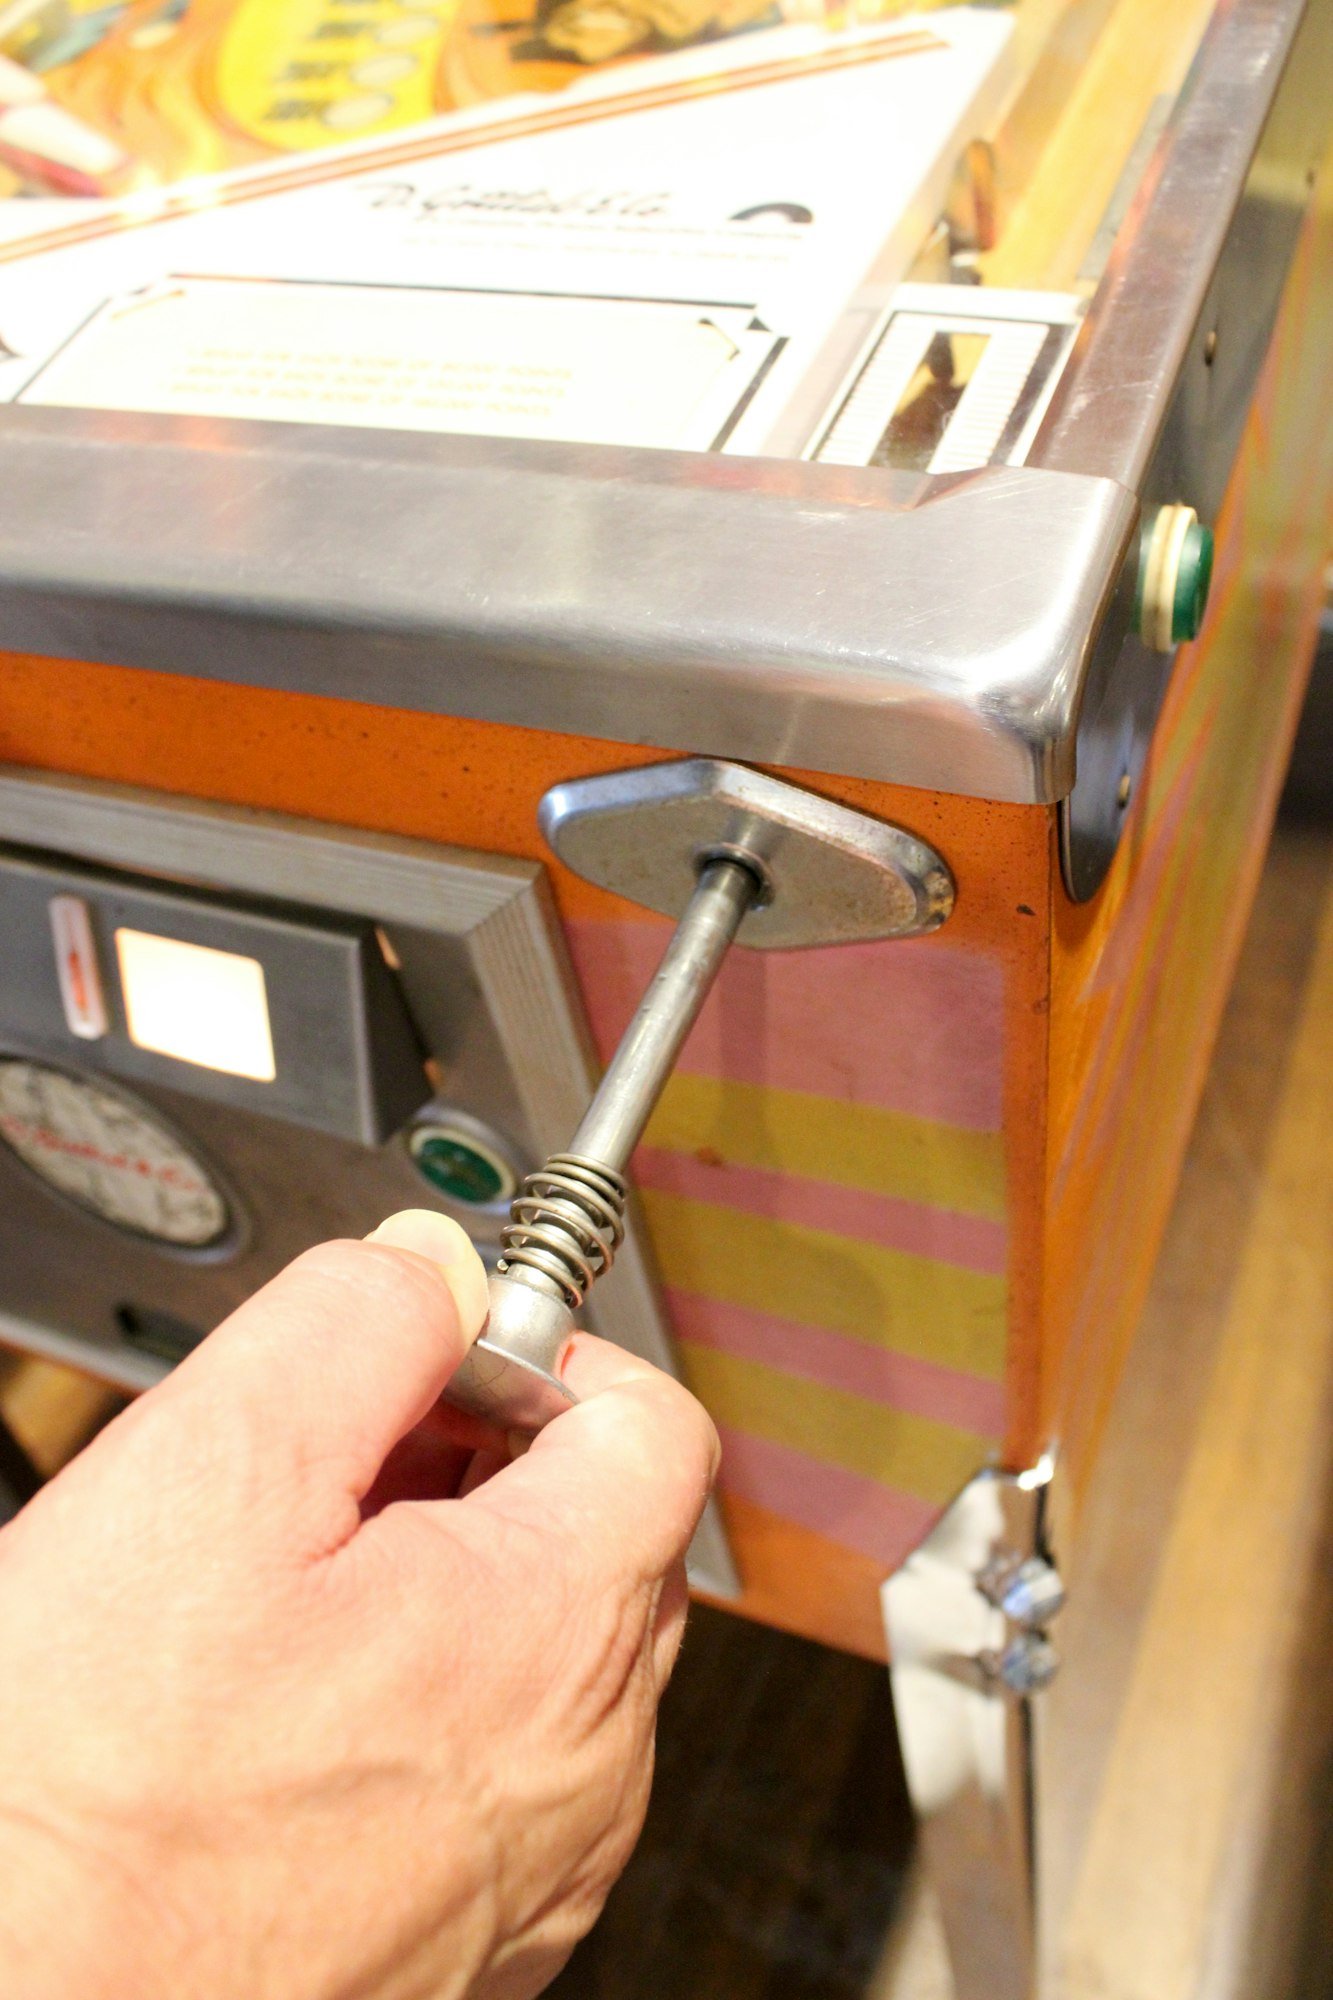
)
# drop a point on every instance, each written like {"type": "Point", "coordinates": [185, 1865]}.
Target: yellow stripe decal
{"type": "Point", "coordinates": [911, 1454]}
{"type": "Point", "coordinates": [887, 1298]}
{"type": "Point", "coordinates": [830, 1139]}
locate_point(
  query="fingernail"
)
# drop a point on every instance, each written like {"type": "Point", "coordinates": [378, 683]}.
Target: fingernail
{"type": "Point", "coordinates": [447, 1245]}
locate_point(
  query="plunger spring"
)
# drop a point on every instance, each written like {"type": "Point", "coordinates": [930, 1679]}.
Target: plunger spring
{"type": "Point", "coordinates": [567, 1221]}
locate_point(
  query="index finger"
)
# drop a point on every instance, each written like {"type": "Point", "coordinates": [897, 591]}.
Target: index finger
{"type": "Point", "coordinates": [625, 1472]}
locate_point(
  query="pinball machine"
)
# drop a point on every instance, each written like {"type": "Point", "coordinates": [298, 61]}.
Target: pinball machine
{"type": "Point", "coordinates": [838, 501]}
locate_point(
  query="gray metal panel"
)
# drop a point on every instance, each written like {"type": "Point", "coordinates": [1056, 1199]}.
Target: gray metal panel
{"type": "Point", "coordinates": [478, 939]}
{"type": "Point", "coordinates": [927, 630]}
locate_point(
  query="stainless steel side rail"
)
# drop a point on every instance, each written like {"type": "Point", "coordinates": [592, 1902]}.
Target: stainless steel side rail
{"type": "Point", "coordinates": [1156, 393]}
{"type": "Point", "coordinates": [929, 630]}
{"type": "Point", "coordinates": [1165, 363]}
{"type": "Point", "coordinates": [971, 633]}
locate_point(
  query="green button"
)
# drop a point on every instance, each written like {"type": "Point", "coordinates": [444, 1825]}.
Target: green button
{"type": "Point", "coordinates": [1193, 578]}
{"type": "Point", "coordinates": [460, 1169]}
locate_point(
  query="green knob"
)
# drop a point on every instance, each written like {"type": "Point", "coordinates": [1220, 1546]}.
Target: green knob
{"type": "Point", "coordinates": [1175, 570]}
{"type": "Point", "coordinates": [459, 1164]}
{"type": "Point", "coordinates": [1193, 577]}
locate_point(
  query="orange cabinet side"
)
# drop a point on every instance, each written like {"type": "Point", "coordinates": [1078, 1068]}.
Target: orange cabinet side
{"type": "Point", "coordinates": [1140, 975]}
{"type": "Point", "coordinates": [843, 1182]}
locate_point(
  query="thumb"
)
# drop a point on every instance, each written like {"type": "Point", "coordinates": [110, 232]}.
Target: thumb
{"type": "Point", "coordinates": [336, 1358]}
{"type": "Point", "coordinates": [621, 1478]}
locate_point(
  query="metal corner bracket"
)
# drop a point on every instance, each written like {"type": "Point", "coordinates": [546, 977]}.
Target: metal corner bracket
{"type": "Point", "coordinates": [966, 1617]}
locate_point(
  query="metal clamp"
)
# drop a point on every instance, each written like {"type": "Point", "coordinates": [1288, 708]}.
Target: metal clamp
{"type": "Point", "coordinates": [737, 856]}
{"type": "Point", "coordinates": [966, 1619]}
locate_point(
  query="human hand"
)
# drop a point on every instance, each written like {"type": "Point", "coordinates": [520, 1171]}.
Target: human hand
{"type": "Point", "coordinates": [276, 1727]}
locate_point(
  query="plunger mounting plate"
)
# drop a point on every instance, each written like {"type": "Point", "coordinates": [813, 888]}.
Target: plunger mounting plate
{"type": "Point", "coordinates": [831, 876]}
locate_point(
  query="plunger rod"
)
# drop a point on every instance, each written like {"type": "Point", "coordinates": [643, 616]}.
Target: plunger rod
{"type": "Point", "coordinates": [566, 1222]}
{"type": "Point", "coordinates": [613, 1124]}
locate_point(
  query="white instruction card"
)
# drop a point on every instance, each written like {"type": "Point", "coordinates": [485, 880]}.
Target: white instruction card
{"type": "Point", "coordinates": [698, 276]}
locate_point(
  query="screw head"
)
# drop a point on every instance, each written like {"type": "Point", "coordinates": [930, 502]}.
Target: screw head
{"type": "Point", "coordinates": [1028, 1664]}
{"type": "Point", "coordinates": [1028, 1589]}
{"type": "Point", "coordinates": [1033, 1593]}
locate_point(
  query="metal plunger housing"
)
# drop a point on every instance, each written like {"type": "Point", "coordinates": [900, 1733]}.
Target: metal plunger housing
{"type": "Point", "coordinates": [567, 1220]}
{"type": "Point", "coordinates": [728, 851]}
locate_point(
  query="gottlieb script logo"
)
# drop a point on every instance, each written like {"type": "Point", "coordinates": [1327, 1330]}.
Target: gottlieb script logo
{"type": "Point", "coordinates": [549, 204]}
{"type": "Point", "coordinates": [465, 198]}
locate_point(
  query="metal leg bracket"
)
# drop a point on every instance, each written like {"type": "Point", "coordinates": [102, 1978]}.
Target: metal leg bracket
{"type": "Point", "coordinates": [966, 1617]}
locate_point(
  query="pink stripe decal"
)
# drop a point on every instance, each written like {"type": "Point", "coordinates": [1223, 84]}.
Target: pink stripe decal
{"type": "Point", "coordinates": [973, 1243]}
{"type": "Point", "coordinates": [858, 1513]}
{"type": "Point", "coordinates": [919, 1388]}
{"type": "Point", "coordinates": [911, 1027]}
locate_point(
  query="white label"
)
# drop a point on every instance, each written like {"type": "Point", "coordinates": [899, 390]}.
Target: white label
{"type": "Point", "coordinates": [497, 364]}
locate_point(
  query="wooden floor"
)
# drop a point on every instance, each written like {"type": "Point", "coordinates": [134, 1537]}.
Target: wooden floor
{"type": "Point", "coordinates": [778, 1839]}
{"type": "Point", "coordinates": [1190, 1750]}
{"type": "Point", "coordinates": [1192, 1738]}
